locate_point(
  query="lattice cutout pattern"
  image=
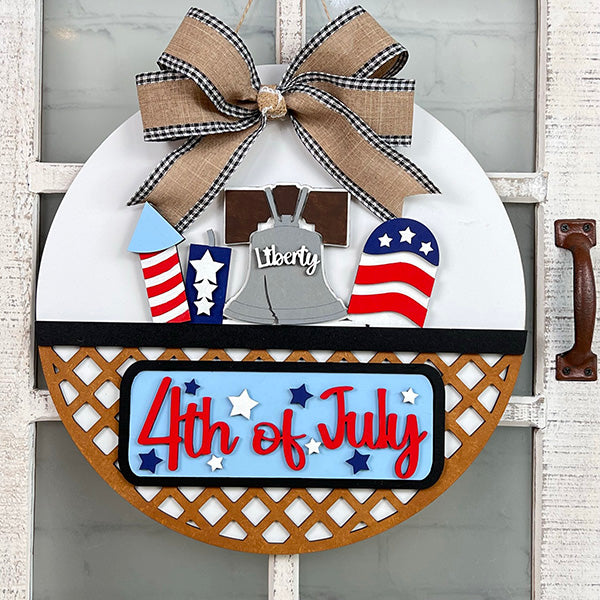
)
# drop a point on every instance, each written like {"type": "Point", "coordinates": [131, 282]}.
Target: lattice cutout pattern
{"type": "Point", "coordinates": [275, 520]}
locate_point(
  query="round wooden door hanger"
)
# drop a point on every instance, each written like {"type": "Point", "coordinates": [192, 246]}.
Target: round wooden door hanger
{"type": "Point", "coordinates": [302, 359]}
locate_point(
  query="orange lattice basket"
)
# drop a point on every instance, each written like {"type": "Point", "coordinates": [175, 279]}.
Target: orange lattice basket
{"type": "Point", "coordinates": [85, 379]}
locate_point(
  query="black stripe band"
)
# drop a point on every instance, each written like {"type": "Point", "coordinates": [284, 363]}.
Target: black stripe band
{"type": "Point", "coordinates": [186, 335]}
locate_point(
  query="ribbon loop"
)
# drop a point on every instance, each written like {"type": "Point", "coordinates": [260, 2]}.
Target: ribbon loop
{"type": "Point", "coordinates": [206, 50]}
{"type": "Point", "coordinates": [353, 45]}
{"type": "Point", "coordinates": [394, 99]}
{"type": "Point", "coordinates": [173, 106]}
{"type": "Point", "coordinates": [338, 92]}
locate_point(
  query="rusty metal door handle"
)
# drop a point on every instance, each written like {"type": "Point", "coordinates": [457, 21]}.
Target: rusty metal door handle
{"type": "Point", "coordinates": [579, 363]}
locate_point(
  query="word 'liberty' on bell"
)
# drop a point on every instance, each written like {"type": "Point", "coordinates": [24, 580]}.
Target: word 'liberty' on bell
{"type": "Point", "coordinates": [285, 284]}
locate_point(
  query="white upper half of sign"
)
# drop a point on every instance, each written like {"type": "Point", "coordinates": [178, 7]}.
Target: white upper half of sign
{"type": "Point", "coordinates": [87, 274]}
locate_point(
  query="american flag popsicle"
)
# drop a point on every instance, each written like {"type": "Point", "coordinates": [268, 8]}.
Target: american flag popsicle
{"type": "Point", "coordinates": [397, 271]}
{"type": "Point", "coordinates": [155, 241]}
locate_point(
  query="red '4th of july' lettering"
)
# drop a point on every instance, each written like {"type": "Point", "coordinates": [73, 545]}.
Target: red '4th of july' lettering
{"type": "Point", "coordinates": [189, 419]}
{"type": "Point", "coordinates": [387, 428]}
{"type": "Point", "coordinates": [283, 437]}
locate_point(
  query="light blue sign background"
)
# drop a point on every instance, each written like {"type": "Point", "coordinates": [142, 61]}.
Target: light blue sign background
{"type": "Point", "coordinates": [272, 391]}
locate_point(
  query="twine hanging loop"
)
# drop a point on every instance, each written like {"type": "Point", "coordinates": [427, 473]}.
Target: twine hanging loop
{"type": "Point", "coordinates": [271, 102]}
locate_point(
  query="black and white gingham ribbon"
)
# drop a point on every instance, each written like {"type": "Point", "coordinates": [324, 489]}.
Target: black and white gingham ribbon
{"type": "Point", "coordinates": [173, 68]}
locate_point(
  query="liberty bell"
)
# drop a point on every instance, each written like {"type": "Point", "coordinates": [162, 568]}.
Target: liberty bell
{"type": "Point", "coordinates": [286, 283]}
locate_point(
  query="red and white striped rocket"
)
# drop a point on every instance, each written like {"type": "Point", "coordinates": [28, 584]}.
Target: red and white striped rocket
{"type": "Point", "coordinates": [164, 285]}
{"type": "Point", "coordinates": [155, 241]}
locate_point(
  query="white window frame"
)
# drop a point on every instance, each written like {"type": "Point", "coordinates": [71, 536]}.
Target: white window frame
{"type": "Point", "coordinates": [564, 416]}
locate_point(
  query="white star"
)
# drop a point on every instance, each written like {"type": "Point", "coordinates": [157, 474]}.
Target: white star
{"type": "Point", "coordinates": [242, 404]}
{"type": "Point", "coordinates": [203, 306]}
{"type": "Point", "coordinates": [407, 235]}
{"type": "Point", "coordinates": [313, 446]}
{"type": "Point", "coordinates": [384, 240]}
{"type": "Point", "coordinates": [205, 289]}
{"type": "Point", "coordinates": [409, 396]}
{"type": "Point", "coordinates": [425, 248]}
{"type": "Point", "coordinates": [206, 267]}
{"type": "Point", "coordinates": [216, 462]}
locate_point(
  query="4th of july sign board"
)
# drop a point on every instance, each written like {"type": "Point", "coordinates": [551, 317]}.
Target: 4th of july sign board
{"type": "Point", "coordinates": [290, 313]}
{"type": "Point", "coordinates": [295, 424]}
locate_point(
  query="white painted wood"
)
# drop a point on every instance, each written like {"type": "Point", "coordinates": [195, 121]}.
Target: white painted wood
{"type": "Point", "coordinates": [540, 368]}
{"type": "Point", "coordinates": [291, 29]}
{"type": "Point", "coordinates": [525, 411]}
{"type": "Point", "coordinates": [284, 570]}
{"type": "Point", "coordinates": [468, 220]}
{"type": "Point", "coordinates": [542, 46]}
{"type": "Point", "coordinates": [536, 514]}
{"type": "Point", "coordinates": [522, 188]}
{"type": "Point", "coordinates": [569, 500]}
{"type": "Point", "coordinates": [539, 371]}
{"type": "Point", "coordinates": [52, 178]}
{"type": "Point", "coordinates": [42, 408]}
{"type": "Point", "coordinates": [522, 411]}
{"type": "Point", "coordinates": [18, 219]}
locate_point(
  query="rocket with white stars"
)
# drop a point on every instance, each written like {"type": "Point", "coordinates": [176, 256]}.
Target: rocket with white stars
{"type": "Point", "coordinates": [206, 282]}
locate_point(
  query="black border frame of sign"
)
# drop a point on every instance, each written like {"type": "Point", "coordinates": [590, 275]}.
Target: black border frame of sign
{"type": "Point", "coordinates": [292, 337]}
{"type": "Point", "coordinates": [439, 418]}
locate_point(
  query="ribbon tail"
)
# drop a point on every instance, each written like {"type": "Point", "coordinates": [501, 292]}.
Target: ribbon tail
{"type": "Point", "coordinates": [187, 180]}
{"type": "Point", "coordinates": [374, 172]}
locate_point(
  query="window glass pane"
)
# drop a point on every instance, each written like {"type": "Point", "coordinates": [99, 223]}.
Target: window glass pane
{"type": "Point", "coordinates": [474, 542]}
{"type": "Point", "coordinates": [91, 543]}
{"type": "Point", "coordinates": [522, 217]}
{"type": "Point", "coordinates": [474, 62]}
{"type": "Point", "coordinates": [93, 49]}
{"type": "Point", "coordinates": [49, 204]}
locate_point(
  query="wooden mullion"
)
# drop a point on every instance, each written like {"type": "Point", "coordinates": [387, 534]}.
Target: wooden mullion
{"type": "Point", "coordinates": [19, 68]}
{"type": "Point", "coordinates": [291, 29]}
{"type": "Point", "coordinates": [519, 188]}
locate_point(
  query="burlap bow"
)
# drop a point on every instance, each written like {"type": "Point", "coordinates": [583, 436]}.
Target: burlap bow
{"type": "Point", "coordinates": [338, 93]}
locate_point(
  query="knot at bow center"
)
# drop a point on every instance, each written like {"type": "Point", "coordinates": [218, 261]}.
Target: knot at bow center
{"type": "Point", "coordinates": [271, 102]}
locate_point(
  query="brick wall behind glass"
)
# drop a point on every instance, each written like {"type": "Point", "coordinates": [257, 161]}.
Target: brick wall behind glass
{"type": "Point", "coordinates": [92, 50]}
{"type": "Point", "coordinates": [474, 62]}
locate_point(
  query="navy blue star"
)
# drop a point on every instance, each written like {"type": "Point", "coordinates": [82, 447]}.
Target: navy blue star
{"type": "Point", "coordinates": [359, 462]}
{"type": "Point", "coordinates": [191, 387]}
{"type": "Point", "coordinates": [300, 395]}
{"type": "Point", "coordinates": [149, 461]}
